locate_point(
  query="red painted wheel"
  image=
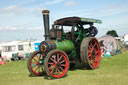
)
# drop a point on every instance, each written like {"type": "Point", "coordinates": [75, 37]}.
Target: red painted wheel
{"type": "Point", "coordinates": [56, 64]}
{"type": "Point", "coordinates": [35, 64]}
{"type": "Point", "coordinates": [90, 53]}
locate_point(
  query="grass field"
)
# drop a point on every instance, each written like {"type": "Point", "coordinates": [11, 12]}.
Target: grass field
{"type": "Point", "coordinates": [112, 71]}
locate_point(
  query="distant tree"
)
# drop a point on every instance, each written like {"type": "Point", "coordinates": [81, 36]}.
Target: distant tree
{"type": "Point", "coordinates": [112, 33]}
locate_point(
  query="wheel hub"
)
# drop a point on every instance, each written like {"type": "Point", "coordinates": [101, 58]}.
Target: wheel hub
{"type": "Point", "coordinates": [58, 64]}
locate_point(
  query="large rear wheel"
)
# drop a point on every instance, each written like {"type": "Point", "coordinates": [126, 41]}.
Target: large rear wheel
{"type": "Point", "coordinates": [56, 64]}
{"type": "Point", "coordinates": [90, 53]}
{"type": "Point", "coordinates": [35, 64]}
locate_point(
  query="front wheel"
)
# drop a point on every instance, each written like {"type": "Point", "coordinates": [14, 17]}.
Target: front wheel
{"type": "Point", "coordinates": [35, 64]}
{"type": "Point", "coordinates": [56, 64]}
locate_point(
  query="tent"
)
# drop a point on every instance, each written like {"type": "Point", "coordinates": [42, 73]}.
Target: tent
{"type": "Point", "coordinates": [108, 44]}
{"type": "Point", "coordinates": [1, 62]}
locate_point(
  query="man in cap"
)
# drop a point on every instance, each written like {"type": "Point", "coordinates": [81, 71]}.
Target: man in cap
{"type": "Point", "coordinates": [92, 30]}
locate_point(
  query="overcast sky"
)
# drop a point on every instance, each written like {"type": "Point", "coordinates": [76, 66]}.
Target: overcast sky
{"type": "Point", "coordinates": [22, 19]}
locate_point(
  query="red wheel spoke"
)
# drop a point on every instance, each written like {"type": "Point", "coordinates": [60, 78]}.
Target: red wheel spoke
{"type": "Point", "coordinates": [61, 68]}
{"type": "Point", "coordinates": [50, 63]}
{"type": "Point", "coordinates": [52, 70]}
{"type": "Point", "coordinates": [62, 64]}
{"type": "Point", "coordinates": [95, 61]}
{"type": "Point", "coordinates": [53, 60]}
{"type": "Point", "coordinates": [51, 67]}
{"type": "Point", "coordinates": [89, 54]}
{"type": "Point", "coordinates": [96, 51]}
{"type": "Point", "coordinates": [90, 58]}
{"type": "Point", "coordinates": [35, 59]}
{"type": "Point", "coordinates": [60, 58]}
{"type": "Point", "coordinates": [62, 61]}
{"type": "Point", "coordinates": [56, 71]}
{"type": "Point", "coordinates": [89, 47]}
{"type": "Point", "coordinates": [92, 48]}
{"type": "Point", "coordinates": [89, 51]}
{"type": "Point", "coordinates": [33, 62]}
{"type": "Point", "coordinates": [40, 57]}
{"type": "Point", "coordinates": [94, 45]}
{"type": "Point", "coordinates": [37, 68]}
{"type": "Point", "coordinates": [57, 57]}
{"type": "Point", "coordinates": [34, 66]}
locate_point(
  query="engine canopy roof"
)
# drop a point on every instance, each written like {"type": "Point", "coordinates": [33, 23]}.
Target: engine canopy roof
{"type": "Point", "coordinates": [69, 21]}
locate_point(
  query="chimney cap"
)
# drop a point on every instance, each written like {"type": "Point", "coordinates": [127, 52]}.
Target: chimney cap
{"type": "Point", "coordinates": [45, 11]}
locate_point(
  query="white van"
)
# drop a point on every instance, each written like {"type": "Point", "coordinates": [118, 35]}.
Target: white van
{"type": "Point", "coordinates": [17, 49]}
{"type": "Point", "coordinates": [126, 39]}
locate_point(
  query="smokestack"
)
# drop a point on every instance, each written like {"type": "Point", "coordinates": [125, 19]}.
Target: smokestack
{"type": "Point", "coordinates": [46, 23]}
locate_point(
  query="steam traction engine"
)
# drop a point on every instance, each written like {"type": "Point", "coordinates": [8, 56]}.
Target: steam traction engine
{"type": "Point", "coordinates": [62, 50]}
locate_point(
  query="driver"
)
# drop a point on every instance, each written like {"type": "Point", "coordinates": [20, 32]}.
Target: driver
{"type": "Point", "coordinates": [92, 30]}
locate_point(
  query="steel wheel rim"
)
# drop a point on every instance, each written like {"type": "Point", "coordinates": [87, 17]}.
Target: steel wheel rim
{"type": "Point", "coordinates": [36, 64]}
{"type": "Point", "coordinates": [94, 53]}
{"type": "Point", "coordinates": [57, 64]}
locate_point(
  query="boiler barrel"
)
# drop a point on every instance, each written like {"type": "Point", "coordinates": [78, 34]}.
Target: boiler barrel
{"type": "Point", "coordinates": [65, 45]}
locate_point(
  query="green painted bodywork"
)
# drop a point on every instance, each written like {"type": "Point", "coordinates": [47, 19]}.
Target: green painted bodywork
{"type": "Point", "coordinates": [73, 53]}
{"type": "Point", "coordinates": [65, 45]}
{"type": "Point", "coordinates": [80, 35]}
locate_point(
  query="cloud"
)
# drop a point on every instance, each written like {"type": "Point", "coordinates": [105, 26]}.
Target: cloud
{"type": "Point", "coordinates": [111, 6]}
{"type": "Point", "coordinates": [11, 10]}
{"type": "Point", "coordinates": [8, 28]}
{"type": "Point", "coordinates": [22, 27]}
{"type": "Point", "coordinates": [104, 12]}
{"type": "Point", "coordinates": [54, 2]}
{"type": "Point", "coordinates": [70, 3]}
{"type": "Point", "coordinates": [36, 28]}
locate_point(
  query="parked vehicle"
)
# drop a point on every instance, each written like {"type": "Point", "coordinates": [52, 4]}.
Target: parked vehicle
{"type": "Point", "coordinates": [61, 51]}
{"type": "Point", "coordinates": [16, 50]}
{"type": "Point", "coordinates": [126, 40]}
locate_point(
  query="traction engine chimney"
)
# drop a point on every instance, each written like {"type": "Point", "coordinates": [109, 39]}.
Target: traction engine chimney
{"type": "Point", "coordinates": [46, 23]}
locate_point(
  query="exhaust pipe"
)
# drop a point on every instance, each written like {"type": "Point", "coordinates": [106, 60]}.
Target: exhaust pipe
{"type": "Point", "coordinates": [46, 23]}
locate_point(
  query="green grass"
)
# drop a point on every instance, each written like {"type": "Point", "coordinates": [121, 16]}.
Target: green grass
{"type": "Point", "coordinates": [112, 71]}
